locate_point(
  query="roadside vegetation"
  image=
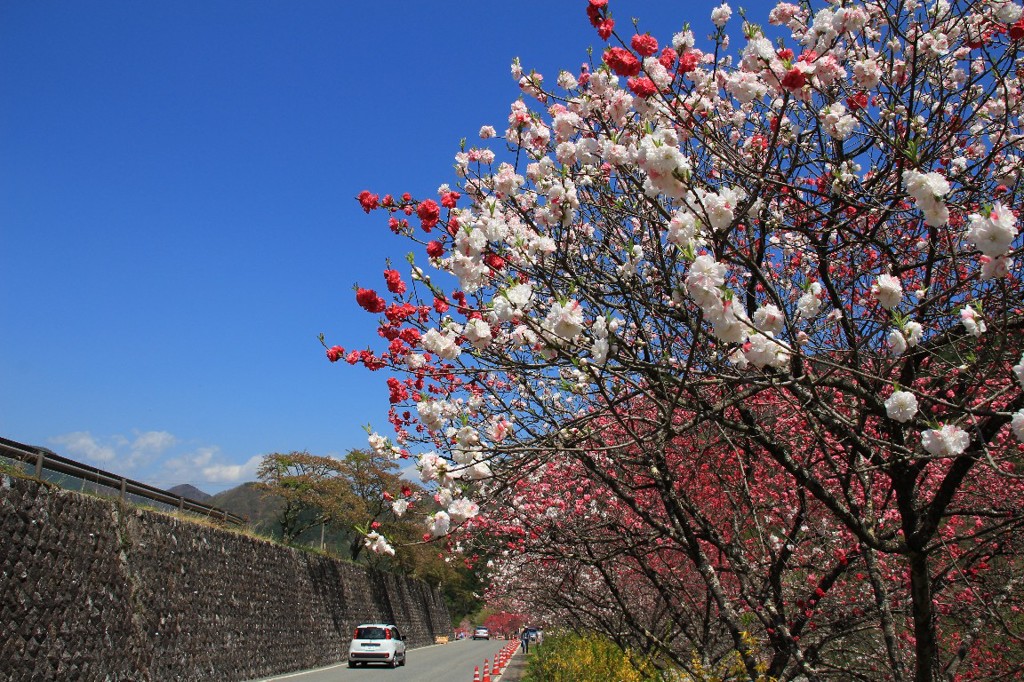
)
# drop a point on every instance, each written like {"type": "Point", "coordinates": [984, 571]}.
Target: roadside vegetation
{"type": "Point", "coordinates": [573, 657]}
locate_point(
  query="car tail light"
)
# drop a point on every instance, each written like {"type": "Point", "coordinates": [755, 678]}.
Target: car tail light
{"type": "Point", "coordinates": [355, 635]}
{"type": "Point", "coordinates": [387, 634]}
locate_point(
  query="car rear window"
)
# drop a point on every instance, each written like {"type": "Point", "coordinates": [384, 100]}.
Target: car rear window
{"type": "Point", "coordinates": [369, 633]}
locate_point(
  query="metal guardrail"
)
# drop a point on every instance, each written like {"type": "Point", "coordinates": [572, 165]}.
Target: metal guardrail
{"type": "Point", "coordinates": [42, 459]}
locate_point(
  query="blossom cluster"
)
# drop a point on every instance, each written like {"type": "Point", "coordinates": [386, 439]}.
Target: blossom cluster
{"type": "Point", "coordinates": [818, 227]}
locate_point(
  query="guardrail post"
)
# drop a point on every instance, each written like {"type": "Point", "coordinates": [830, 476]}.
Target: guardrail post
{"type": "Point", "coordinates": [124, 486]}
{"type": "Point", "coordinates": [181, 503]}
{"type": "Point", "coordinates": [39, 464]}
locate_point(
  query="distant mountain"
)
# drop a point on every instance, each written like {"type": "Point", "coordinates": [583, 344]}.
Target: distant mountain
{"type": "Point", "coordinates": [246, 500]}
{"type": "Point", "coordinates": [263, 511]}
{"type": "Point", "coordinates": [191, 492]}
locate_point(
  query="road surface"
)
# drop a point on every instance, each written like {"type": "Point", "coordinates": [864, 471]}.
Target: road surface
{"type": "Point", "coordinates": [453, 662]}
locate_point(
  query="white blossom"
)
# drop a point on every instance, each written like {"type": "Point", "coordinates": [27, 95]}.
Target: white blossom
{"type": "Point", "coordinates": [478, 333]}
{"type": "Point", "coordinates": [462, 509]}
{"type": "Point", "coordinates": [946, 441]}
{"type": "Point", "coordinates": [993, 234]}
{"type": "Point", "coordinates": [768, 318]}
{"type": "Point", "coordinates": [721, 14]}
{"type": "Point", "coordinates": [809, 303]}
{"type": "Point", "coordinates": [376, 543]}
{"type": "Point", "coordinates": [400, 506]}
{"type": "Point", "coordinates": [1017, 424]}
{"type": "Point", "coordinates": [888, 291]}
{"type": "Point", "coordinates": [438, 524]}
{"type": "Point", "coordinates": [901, 406]}
{"type": "Point", "coordinates": [973, 322]}
{"type": "Point", "coordinates": [565, 320]}
{"type": "Point", "coordinates": [897, 342]}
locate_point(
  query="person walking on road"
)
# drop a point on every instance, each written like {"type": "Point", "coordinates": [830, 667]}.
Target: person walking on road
{"type": "Point", "coordinates": [524, 640]}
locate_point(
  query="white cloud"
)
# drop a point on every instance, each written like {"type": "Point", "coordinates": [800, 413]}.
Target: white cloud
{"type": "Point", "coordinates": [207, 466]}
{"type": "Point", "coordinates": [233, 473]}
{"type": "Point", "coordinates": [158, 458]}
{"type": "Point", "coordinates": [153, 442]}
{"type": "Point", "coordinates": [84, 445]}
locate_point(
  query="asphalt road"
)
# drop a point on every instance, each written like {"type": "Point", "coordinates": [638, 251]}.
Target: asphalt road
{"type": "Point", "coordinates": [453, 662]}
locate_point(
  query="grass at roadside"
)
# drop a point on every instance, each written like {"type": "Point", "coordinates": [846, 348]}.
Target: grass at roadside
{"type": "Point", "coordinates": [572, 657]}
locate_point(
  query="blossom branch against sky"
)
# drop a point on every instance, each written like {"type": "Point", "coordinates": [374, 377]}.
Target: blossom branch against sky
{"type": "Point", "coordinates": [176, 208]}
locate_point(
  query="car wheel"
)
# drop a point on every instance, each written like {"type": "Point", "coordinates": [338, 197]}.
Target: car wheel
{"type": "Point", "coordinates": [404, 656]}
{"type": "Point", "coordinates": [351, 664]}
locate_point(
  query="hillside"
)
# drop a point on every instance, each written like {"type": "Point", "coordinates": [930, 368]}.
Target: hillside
{"type": "Point", "coordinates": [246, 500]}
{"type": "Point", "coordinates": [191, 492]}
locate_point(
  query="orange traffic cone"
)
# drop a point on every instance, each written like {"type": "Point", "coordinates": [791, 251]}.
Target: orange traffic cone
{"type": "Point", "coordinates": [476, 674]}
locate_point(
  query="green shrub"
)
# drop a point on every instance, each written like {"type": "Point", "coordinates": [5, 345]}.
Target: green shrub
{"type": "Point", "coordinates": [571, 657]}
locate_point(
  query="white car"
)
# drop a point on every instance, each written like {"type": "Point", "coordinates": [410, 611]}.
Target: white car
{"type": "Point", "coordinates": [481, 633]}
{"type": "Point", "coordinates": [376, 643]}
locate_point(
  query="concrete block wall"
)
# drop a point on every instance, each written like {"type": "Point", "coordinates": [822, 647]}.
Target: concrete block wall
{"type": "Point", "coordinates": [93, 590]}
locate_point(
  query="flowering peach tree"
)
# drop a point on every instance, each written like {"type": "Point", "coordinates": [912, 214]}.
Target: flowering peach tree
{"type": "Point", "coordinates": [732, 331]}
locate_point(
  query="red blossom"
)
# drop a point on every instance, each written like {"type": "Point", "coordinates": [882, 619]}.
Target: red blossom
{"type": "Point", "coordinates": [397, 347]}
{"type": "Point", "coordinates": [334, 353]}
{"type": "Point", "coordinates": [394, 281]}
{"type": "Point", "coordinates": [794, 79]}
{"type": "Point", "coordinates": [399, 312]}
{"type": "Point", "coordinates": [449, 199]}
{"type": "Point", "coordinates": [494, 261]}
{"type": "Point", "coordinates": [667, 58]}
{"type": "Point", "coordinates": [435, 249]}
{"type": "Point", "coordinates": [645, 44]}
{"type": "Point", "coordinates": [604, 29]}
{"type": "Point", "coordinates": [371, 361]}
{"type": "Point", "coordinates": [397, 392]}
{"type": "Point", "coordinates": [368, 200]}
{"type": "Point", "coordinates": [857, 101]}
{"type": "Point", "coordinates": [642, 87]}
{"type": "Point", "coordinates": [688, 62]}
{"type": "Point", "coordinates": [1017, 30]}
{"type": "Point", "coordinates": [370, 301]}
{"type": "Point", "coordinates": [441, 305]}
{"type": "Point", "coordinates": [622, 61]}
{"type": "Point", "coordinates": [429, 213]}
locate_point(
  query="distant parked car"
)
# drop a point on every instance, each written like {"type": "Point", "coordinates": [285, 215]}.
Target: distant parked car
{"type": "Point", "coordinates": [377, 643]}
{"type": "Point", "coordinates": [481, 633]}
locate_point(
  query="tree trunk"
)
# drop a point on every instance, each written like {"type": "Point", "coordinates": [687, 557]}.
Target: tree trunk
{"type": "Point", "coordinates": [926, 644]}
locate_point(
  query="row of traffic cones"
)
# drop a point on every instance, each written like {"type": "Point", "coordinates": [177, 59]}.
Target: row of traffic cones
{"type": "Point", "coordinates": [500, 662]}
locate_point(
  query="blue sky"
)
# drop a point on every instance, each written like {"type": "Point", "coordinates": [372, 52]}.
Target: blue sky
{"type": "Point", "coordinates": [177, 212]}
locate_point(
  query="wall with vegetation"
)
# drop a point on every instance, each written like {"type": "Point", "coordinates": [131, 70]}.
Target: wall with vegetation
{"type": "Point", "coordinates": [92, 590]}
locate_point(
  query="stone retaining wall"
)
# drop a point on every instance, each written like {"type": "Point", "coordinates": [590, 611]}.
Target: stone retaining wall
{"type": "Point", "coordinates": [92, 590]}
